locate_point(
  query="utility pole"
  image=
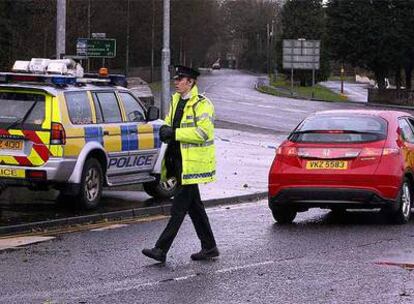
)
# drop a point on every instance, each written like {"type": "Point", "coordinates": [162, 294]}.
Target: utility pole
{"type": "Point", "coordinates": [89, 30]}
{"type": "Point", "coordinates": [165, 75]}
{"type": "Point", "coordinates": [268, 48]}
{"type": "Point", "coordinates": [272, 46]}
{"type": "Point", "coordinates": [60, 28]}
{"type": "Point", "coordinates": [127, 42]}
{"type": "Point", "coordinates": [152, 40]}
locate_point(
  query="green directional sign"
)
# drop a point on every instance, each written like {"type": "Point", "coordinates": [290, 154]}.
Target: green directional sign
{"type": "Point", "coordinates": [99, 48]}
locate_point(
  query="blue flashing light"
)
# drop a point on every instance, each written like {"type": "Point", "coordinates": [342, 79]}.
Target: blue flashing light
{"type": "Point", "coordinates": [63, 81]}
{"type": "Point", "coordinates": [118, 80]}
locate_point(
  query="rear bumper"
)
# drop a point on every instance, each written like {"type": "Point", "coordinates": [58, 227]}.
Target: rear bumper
{"type": "Point", "coordinates": [58, 170]}
{"type": "Point", "coordinates": [304, 198]}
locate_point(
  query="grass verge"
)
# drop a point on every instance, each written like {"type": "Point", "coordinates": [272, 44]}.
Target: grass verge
{"type": "Point", "coordinates": [281, 87]}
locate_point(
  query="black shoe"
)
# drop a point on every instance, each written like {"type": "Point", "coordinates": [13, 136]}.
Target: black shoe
{"type": "Point", "coordinates": [155, 253]}
{"type": "Point", "coordinates": [205, 254]}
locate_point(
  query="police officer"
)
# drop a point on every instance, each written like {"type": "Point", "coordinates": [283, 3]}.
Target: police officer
{"type": "Point", "coordinates": [190, 157]}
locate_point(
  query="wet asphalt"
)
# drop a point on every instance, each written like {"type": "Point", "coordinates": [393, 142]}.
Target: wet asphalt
{"type": "Point", "coordinates": [321, 258]}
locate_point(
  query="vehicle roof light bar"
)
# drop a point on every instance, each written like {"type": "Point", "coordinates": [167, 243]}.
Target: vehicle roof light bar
{"type": "Point", "coordinates": [59, 81]}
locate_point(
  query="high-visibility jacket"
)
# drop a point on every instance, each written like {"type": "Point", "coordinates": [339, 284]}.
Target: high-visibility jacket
{"type": "Point", "coordinates": [196, 138]}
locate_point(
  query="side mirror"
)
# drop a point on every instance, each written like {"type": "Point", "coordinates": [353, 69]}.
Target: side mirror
{"type": "Point", "coordinates": [153, 113]}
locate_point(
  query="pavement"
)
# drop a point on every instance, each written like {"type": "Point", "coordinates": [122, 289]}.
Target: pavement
{"type": "Point", "coordinates": [357, 92]}
{"type": "Point", "coordinates": [243, 162]}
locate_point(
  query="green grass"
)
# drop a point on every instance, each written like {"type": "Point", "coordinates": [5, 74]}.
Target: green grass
{"type": "Point", "coordinates": [281, 87]}
{"type": "Point", "coordinates": [155, 86]}
{"type": "Point", "coordinates": [346, 78]}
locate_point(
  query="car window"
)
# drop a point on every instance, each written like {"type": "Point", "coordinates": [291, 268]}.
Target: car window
{"type": "Point", "coordinates": [133, 109]}
{"type": "Point", "coordinates": [109, 106]}
{"type": "Point", "coordinates": [406, 131]}
{"type": "Point", "coordinates": [14, 106]}
{"type": "Point", "coordinates": [98, 110]}
{"type": "Point", "coordinates": [78, 107]}
{"type": "Point", "coordinates": [411, 123]}
{"type": "Point", "coordinates": [340, 128]}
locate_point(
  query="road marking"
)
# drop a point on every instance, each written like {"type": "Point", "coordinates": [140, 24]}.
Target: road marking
{"type": "Point", "coordinates": [230, 269]}
{"type": "Point", "coordinates": [112, 287]}
{"type": "Point", "coordinates": [22, 241]}
{"type": "Point", "coordinates": [265, 106]}
{"type": "Point", "coordinates": [110, 227]}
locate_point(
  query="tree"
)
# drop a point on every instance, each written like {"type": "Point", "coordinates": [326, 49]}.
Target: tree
{"type": "Point", "coordinates": [5, 32]}
{"type": "Point", "coordinates": [247, 24]}
{"type": "Point", "coordinates": [306, 19]}
{"type": "Point", "coordinates": [375, 35]}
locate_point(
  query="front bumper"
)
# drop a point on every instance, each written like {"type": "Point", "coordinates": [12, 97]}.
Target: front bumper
{"type": "Point", "coordinates": [305, 198]}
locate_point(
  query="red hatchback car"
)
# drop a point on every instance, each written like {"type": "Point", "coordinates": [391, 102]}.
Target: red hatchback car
{"type": "Point", "coordinates": [355, 159]}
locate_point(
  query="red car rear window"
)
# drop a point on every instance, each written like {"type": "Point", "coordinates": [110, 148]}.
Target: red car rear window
{"type": "Point", "coordinates": [340, 128]}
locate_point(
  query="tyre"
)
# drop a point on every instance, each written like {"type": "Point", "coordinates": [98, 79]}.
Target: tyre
{"type": "Point", "coordinates": [283, 215]}
{"type": "Point", "coordinates": [91, 185]}
{"type": "Point", "coordinates": [158, 189]}
{"type": "Point", "coordinates": [404, 202]}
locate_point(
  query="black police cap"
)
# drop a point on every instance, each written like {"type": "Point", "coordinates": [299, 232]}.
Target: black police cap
{"type": "Point", "coordinates": [183, 71]}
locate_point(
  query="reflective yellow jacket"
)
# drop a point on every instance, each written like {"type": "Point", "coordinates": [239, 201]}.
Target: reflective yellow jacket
{"type": "Point", "coordinates": [196, 137]}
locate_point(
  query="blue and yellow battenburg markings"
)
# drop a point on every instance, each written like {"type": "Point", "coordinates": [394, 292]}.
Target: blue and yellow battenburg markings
{"type": "Point", "coordinates": [94, 134]}
{"type": "Point", "coordinates": [132, 137]}
{"type": "Point", "coordinates": [156, 134]}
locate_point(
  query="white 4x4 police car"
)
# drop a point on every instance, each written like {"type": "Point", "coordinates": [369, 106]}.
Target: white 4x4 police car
{"type": "Point", "coordinates": [75, 134]}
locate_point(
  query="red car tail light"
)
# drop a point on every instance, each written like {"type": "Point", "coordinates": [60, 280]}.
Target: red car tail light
{"type": "Point", "coordinates": [58, 136]}
{"type": "Point", "coordinates": [376, 152]}
{"type": "Point", "coordinates": [287, 151]}
{"type": "Point", "coordinates": [390, 151]}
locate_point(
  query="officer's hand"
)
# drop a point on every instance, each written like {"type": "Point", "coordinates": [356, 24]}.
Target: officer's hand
{"type": "Point", "coordinates": [167, 134]}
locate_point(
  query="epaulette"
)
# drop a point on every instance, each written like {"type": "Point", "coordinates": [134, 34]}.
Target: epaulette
{"type": "Point", "coordinates": [201, 97]}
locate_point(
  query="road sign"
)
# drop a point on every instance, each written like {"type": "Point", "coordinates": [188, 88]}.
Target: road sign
{"type": "Point", "coordinates": [301, 54]}
{"type": "Point", "coordinates": [100, 48]}
{"type": "Point", "coordinates": [99, 35]}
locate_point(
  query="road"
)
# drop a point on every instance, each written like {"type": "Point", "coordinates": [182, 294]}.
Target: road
{"type": "Point", "coordinates": [236, 100]}
{"type": "Point", "coordinates": [318, 259]}
{"type": "Point", "coordinates": [238, 106]}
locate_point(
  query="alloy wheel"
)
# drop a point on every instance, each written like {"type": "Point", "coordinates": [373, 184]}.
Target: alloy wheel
{"type": "Point", "coordinates": [406, 200]}
{"type": "Point", "coordinates": [92, 184]}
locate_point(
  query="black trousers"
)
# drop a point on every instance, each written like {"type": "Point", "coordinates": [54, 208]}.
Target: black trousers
{"type": "Point", "coordinates": [187, 200]}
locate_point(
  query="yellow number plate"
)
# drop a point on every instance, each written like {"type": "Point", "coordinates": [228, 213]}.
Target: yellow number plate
{"type": "Point", "coordinates": [13, 173]}
{"type": "Point", "coordinates": [8, 144]}
{"type": "Point", "coordinates": [327, 164]}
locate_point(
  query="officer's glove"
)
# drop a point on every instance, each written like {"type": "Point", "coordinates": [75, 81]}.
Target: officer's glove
{"type": "Point", "coordinates": [167, 134]}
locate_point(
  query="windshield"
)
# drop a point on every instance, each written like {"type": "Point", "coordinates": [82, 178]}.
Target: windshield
{"type": "Point", "coordinates": [340, 128]}
{"type": "Point", "coordinates": [14, 106]}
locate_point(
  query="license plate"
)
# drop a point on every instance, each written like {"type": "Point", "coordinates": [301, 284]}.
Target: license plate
{"type": "Point", "coordinates": [9, 144]}
{"type": "Point", "coordinates": [12, 173]}
{"type": "Point", "coordinates": [327, 164]}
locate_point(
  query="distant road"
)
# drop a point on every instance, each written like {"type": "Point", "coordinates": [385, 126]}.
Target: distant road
{"type": "Point", "coordinates": [236, 101]}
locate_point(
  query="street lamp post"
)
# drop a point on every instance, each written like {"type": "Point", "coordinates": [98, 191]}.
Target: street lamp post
{"type": "Point", "coordinates": [60, 28]}
{"type": "Point", "coordinates": [165, 75]}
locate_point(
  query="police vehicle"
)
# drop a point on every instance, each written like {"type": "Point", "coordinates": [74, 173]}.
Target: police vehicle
{"type": "Point", "coordinates": [62, 130]}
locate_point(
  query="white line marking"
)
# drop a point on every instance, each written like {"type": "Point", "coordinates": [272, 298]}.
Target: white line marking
{"type": "Point", "coordinates": [244, 267]}
{"type": "Point", "coordinates": [185, 277]}
{"type": "Point", "coordinates": [112, 287]}
{"type": "Point", "coordinates": [110, 227]}
{"type": "Point", "coordinates": [22, 241]}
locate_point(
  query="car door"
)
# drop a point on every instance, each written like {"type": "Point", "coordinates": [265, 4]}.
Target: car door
{"type": "Point", "coordinates": [142, 147]}
{"type": "Point", "coordinates": [109, 119]}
